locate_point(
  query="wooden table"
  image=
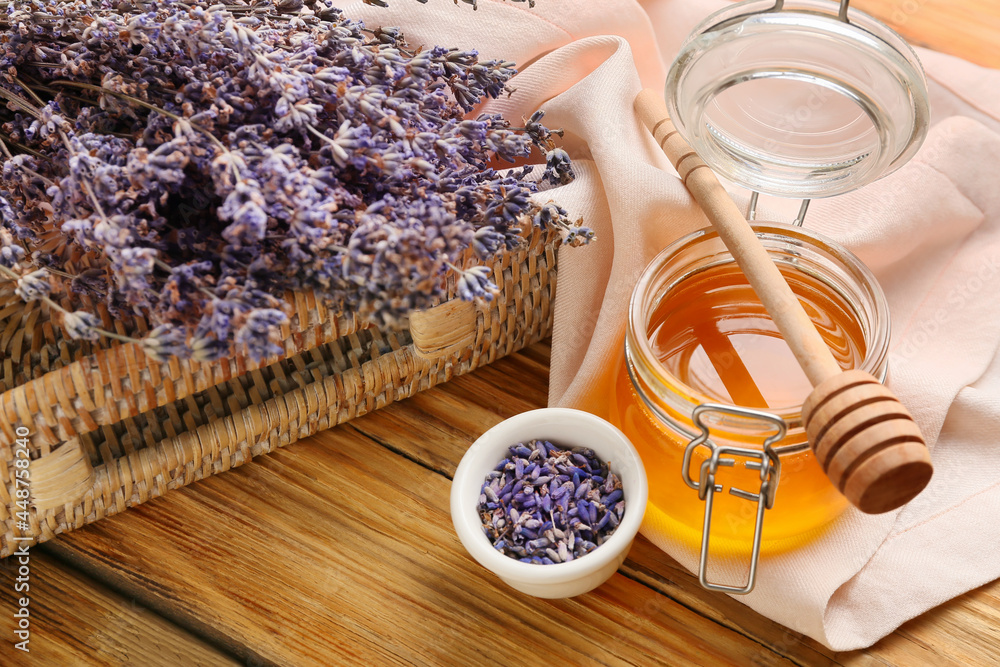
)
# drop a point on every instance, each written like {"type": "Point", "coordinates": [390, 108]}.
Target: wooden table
{"type": "Point", "coordinates": [340, 548]}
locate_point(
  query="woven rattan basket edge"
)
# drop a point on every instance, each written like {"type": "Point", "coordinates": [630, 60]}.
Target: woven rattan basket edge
{"type": "Point", "coordinates": [450, 339]}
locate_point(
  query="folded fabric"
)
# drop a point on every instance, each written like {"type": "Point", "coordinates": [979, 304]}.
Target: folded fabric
{"type": "Point", "coordinates": [930, 232]}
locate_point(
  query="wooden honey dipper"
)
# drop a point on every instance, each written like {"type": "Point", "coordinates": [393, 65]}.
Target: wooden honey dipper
{"type": "Point", "coordinates": [864, 438]}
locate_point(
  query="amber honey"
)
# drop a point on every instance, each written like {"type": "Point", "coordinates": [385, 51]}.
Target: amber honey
{"type": "Point", "coordinates": [706, 338]}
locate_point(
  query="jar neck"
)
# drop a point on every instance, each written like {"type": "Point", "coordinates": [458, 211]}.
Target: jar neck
{"type": "Point", "coordinates": [830, 267]}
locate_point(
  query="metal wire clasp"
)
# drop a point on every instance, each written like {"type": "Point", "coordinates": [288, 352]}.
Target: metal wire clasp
{"type": "Point", "coordinates": [766, 460]}
{"type": "Point", "coordinates": [799, 218]}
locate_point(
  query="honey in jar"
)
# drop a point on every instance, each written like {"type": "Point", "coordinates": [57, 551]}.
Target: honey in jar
{"type": "Point", "coordinates": [697, 334]}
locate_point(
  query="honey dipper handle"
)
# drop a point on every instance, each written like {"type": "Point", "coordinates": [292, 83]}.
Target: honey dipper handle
{"type": "Point", "coordinates": [782, 305]}
{"type": "Point", "coordinates": [863, 437]}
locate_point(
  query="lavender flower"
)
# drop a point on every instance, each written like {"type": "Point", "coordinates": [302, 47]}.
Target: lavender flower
{"type": "Point", "coordinates": [487, 241]}
{"type": "Point", "coordinates": [10, 252]}
{"type": "Point", "coordinates": [164, 342]}
{"type": "Point", "coordinates": [81, 325]}
{"type": "Point", "coordinates": [208, 349]}
{"type": "Point", "coordinates": [260, 332]}
{"type": "Point", "coordinates": [208, 159]}
{"type": "Point", "coordinates": [475, 282]}
{"type": "Point", "coordinates": [558, 169]}
{"type": "Point", "coordinates": [545, 505]}
{"type": "Point", "coordinates": [577, 236]}
{"type": "Point", "coordinates": [34, 286]}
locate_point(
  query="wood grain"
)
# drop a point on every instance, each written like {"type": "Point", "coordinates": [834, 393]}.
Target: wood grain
{"type": "Point", "coordinates": [968, 29]}
{"type": "Point", "coordinates": [339, 550]}
{"type": "Point", "coordinates": [77, 621]}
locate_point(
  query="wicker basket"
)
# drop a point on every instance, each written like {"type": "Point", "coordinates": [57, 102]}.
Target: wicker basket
{"type": "Point", "coordinates": [110, 428]}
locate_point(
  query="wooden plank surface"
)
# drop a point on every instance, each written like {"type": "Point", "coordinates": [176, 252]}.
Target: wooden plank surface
{"type": "Point", "coordinates": [340, 549]}
{"type": "Point", "coordinates": [75, 621]}
{"type": "Point", "coordinates": [969, 29]}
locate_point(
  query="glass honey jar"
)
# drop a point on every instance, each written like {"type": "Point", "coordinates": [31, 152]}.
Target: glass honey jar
{"type": "Point", "coordinates": [699, 349]}
{"type": "Point", "coordinates": [804, 99]}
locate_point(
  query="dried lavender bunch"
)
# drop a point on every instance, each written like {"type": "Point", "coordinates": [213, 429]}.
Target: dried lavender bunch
{"type": "Point", "coordinates": [190, 164]}
{"type": "Point", "coordinates": [546, 505]}
{"type": "Point", "coordinates": [474, 3]}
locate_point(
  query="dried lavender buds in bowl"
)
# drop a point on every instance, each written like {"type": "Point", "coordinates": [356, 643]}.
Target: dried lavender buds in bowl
{"type": "Point", "coordinates": [585, 552]}
{"type": "Point", "coordinates": [545, 505]}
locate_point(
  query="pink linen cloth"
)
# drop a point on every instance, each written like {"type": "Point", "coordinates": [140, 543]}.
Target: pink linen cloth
{"type": "Point", "coordinates": [930, 232]}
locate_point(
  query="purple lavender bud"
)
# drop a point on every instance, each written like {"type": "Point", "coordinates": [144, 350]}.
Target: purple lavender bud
{"type": "Point", "coordinates": [81, 325]}
{"type": "Point", "coordinates": [165, 342]}
{"type": "Point", "coordinates": [208, 349]}
{"type": "Point", "coordinates": [558, 169]}
{"type": "Point", "coordinates": [539, 543]}
{"type": "Point", "coordinates": [547, 515]}
{"type": "Point", "coordinates": [577, 236]}
{"type": "Point", "coordinates": [33, 286]}
{"type": "Point", "coordinates": [612, 497]}
{"type": "Point", "coordinates": [487, 241]}
{"type": "Point", "coordinates": [475, 282]}
{"type": "Point", "coordinates": [260, 331]}
{"type": "Point", "coordinates": [11, 254]}
{"type": "Point", "coordinates": [7, 213]}
{"type": "Point", "coordinates": [520, 450]}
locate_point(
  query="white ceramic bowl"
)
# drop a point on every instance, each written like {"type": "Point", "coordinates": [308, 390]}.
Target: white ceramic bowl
{"type": "Point", "coordinates": [568, 428]}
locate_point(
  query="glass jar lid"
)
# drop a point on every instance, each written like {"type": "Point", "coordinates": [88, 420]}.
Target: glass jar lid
{"type": "Point", "coordinates": [794, 100]}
